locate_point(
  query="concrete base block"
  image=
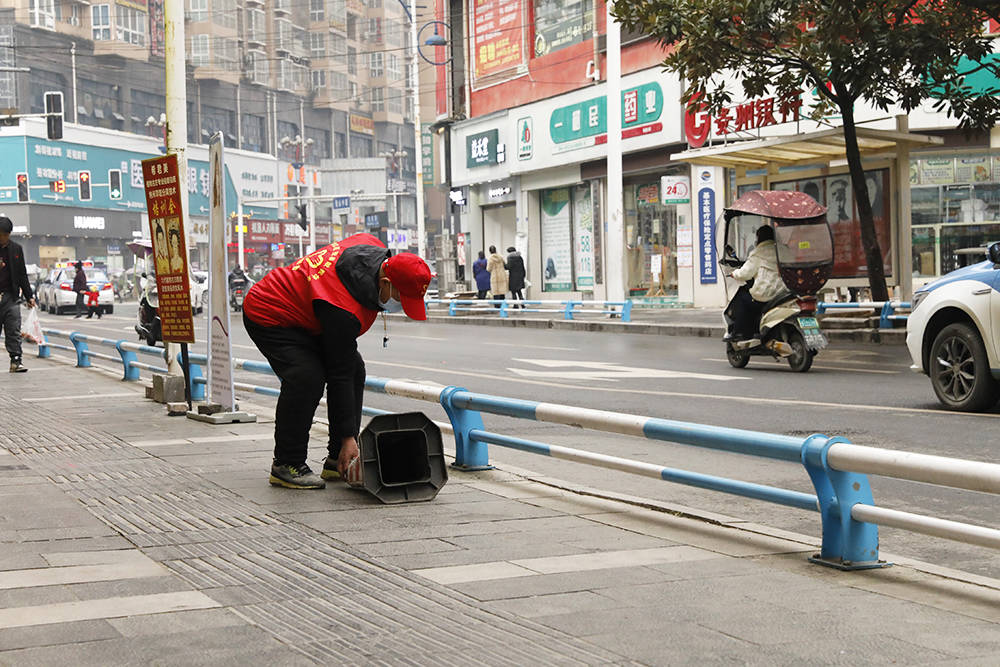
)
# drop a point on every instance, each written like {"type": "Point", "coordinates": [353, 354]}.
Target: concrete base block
{"type": "Point", "coordinates": [149, 392]}
{"type": "Point", "coordinates": [168, 388]}
{"type": "Point", "coordinates": [177, 409]}
{"type": "Point", "coordinates": [222, 417]}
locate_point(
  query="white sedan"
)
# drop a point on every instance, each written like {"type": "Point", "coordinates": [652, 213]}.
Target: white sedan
{"type": "Point", "coordinates": [56, 294]}
{"type": "Point", "coordinates": [953, 334]}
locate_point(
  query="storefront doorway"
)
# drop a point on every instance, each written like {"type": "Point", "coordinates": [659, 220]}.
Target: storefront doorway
{"type": "Point", "coordinates": [499, 227]}
{"type": "Point", "coordinates": [650, 239]}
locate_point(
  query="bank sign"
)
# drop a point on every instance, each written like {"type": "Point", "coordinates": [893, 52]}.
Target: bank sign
{"type": "Point", "coordinates": [52, 161]}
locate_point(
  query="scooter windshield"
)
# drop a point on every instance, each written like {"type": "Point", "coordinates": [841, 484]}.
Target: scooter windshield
{"type": "Point", "coordinates": [804, 245]}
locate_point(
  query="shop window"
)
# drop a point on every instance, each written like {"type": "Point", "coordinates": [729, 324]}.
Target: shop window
{"type": "Point", "coordinates": [561, 23]}
{"type": "Point", "coordinates": [955, 204]}
{"type": "Point", "coordinates": [650, 239]}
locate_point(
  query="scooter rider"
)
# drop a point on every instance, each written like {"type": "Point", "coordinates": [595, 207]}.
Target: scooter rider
{"type": "Point", "coordinates": [237, 276]}
{"type": "Point", "coordinates": [761, 267]}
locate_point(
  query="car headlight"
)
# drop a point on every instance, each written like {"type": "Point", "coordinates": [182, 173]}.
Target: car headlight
{"type": "Point", "coordinates": [917, 300]}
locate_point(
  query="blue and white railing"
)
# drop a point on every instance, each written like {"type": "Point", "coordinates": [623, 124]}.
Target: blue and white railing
{"type": "Point", "coordinates": [506, 307]}
{"type": "Point", "coordinates": [886, 310]}
{"type": "Point", "coordinates": [837, 469]}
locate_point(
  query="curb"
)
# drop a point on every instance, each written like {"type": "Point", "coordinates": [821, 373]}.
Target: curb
{"type": "Point", "coordinates": [877, 336]}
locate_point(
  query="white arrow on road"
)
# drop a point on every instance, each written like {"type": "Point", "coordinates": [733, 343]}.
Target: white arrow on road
{"type": "Point", "coordinates": [607, 372]}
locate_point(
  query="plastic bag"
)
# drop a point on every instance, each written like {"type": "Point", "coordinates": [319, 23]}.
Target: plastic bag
{"type": "Point", "coordinates": [32, 327]}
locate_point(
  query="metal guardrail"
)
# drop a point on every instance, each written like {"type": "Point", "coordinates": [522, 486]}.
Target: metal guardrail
{"type": "Point", "coordinates": [886, 309]}
{"type": "Point", "coordinates": [837, 469]}
{"type": "Point", "coordinates": [507, 307]}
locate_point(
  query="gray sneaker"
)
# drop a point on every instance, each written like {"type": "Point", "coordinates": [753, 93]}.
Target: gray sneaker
{"type": "Point", "coordinates": [16, 367]}
{"type": "Point", "coordinates": [295, 477]}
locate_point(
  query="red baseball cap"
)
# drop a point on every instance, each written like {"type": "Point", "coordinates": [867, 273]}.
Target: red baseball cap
{"type": "Point", "coordinates": [411, 276]}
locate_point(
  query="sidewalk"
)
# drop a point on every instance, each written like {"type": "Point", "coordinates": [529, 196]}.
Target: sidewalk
{"type": "Point", "coordinates": [130, 537]}
{"type": "Point", "coordinates": [703, 322]}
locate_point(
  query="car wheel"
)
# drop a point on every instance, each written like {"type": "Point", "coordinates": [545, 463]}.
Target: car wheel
{"type": "Point", "coordinates": [737, 359]}
{"type": "Point", "coordinates": [109, 309]}
{"type": "Point", "coordinates": [801, 359]}
{"type": "Point", "coordinates": [960, 370]}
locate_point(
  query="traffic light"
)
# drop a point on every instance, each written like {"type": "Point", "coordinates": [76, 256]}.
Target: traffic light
{"type": "Point", "coordinates": [22, 187]}
{"type": "Point", "coordinates": [303, 220]}
{"type": "Point", "coordinates": [84, 186]}
{"type": "Point", "coordinates": [115, 183]}
{"type": "Point", "coordinates": [54, 121]}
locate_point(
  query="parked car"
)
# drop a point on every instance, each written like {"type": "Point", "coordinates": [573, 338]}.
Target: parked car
{"type": "Point", "coordinates": [56, 293]}
{"type": "Point", "coordinates": [953, 334]}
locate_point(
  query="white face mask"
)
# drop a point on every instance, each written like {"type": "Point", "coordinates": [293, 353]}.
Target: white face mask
{"type": "Point", "coordinates": [391, 305]}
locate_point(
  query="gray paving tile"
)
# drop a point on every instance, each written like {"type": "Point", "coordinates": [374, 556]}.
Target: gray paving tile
{"type": "Point", "coordinates": [536, 606]}
{"type": "Point", "coordinates": [401, 547]}
{"type": "Point", "coordinates": [128, 587]}
{"type": "Point", "coordinates": [12, 639]}
{"type": "Point", "coordinates": [547, 584]}
{"type": "Point", "coordinates": [866, 649]}
{"type": "Point", "coordinates": [204, 620]}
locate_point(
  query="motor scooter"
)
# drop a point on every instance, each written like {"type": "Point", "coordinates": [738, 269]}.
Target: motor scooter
{"type": "Point", "coordinates": [148, 327]}
{"type": "Point", "coordinates": [237, 293]}
{"type": "Point", "coordinates": [788, 328]}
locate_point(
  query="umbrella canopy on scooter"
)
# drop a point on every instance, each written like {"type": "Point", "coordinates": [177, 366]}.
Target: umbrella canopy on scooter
{"type": "Point", "coordinates": [779, 204]}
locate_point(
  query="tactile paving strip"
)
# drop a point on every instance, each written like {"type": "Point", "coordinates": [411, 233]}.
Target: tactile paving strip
{"type": "Point", "coordinates": [320, 596]}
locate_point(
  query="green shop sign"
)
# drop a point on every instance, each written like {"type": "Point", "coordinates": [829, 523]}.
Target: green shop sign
{"type": "Point", "coordinates": [640, 105]}
{"type": "Point", "coordinates": [484, 148]}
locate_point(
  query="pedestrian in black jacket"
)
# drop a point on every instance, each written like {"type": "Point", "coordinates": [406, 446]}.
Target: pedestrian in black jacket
{"type": "Point", "coordinates": [13, 284]}
{"type": "Point", "coordinates": [515, 269]}
{"type": "Point", "coordinates": [80, 287]}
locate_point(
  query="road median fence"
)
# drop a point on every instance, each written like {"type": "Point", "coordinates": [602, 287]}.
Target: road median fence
{"type": "Point", "coordinates": [838, 470]}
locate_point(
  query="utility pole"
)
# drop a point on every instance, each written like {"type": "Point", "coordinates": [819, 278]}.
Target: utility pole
{"type": "Point", "coordinates": [418, 134]}
{"type": "Point", "coordinates": [176, 128]}
{"type": "Point", "coordinates": [614, 275]}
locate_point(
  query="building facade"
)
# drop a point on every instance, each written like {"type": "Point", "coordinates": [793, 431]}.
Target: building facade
{"type": "Point", "coordinates": [298, 85]}
{"type": "Point", "coordinates": [525, 107]}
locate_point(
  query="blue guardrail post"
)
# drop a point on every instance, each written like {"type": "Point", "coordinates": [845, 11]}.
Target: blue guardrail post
{"type": "Point", "coordinates": [43, 348]}
{"type": "Point", "coordinates": [82, 360]}
{"type": "Point", "coordinates": [847, 544]}
{"type": "Point", "coordinates": [469, 455]}
{"type": "Point", "coordinates": [627, 311]}
{"type": "Point", "coordinates": [128, 356]}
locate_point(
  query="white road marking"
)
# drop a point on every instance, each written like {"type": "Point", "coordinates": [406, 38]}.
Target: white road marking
{"type": "Point", "coordinates": [83, 397]}
{"type": "Point", "coordinates": [603, 371]}
{"type": "Point", "coordinates": [835, 368]}
{"type": "Point", "coordinates": [792, 402]}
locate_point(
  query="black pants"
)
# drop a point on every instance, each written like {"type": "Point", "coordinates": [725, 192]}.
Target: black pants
{"type": "Point", "coordinates": [297, 359]}
{"type": "Point", "coordinates": [80, 308]}
{"type": "Point", "coordinates": [745, 313]}
{"type": "Point", "coordinates": [481, 294]}
{"type": "Point", "coordinates": [498, 297]}
{"type": "Point", "coordinates": [517, 295]}
{"type": "Point", "coordinates": [10, 322]}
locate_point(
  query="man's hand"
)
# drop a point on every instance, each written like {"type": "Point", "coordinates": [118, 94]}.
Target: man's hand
{"type": "Point", "coordinates": [348, 451]}
{"type": "Point", "coordinates": [31, 302]}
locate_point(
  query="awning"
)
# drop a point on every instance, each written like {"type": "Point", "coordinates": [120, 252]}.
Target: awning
{"type": "Point", "coordinates": [811, 148]}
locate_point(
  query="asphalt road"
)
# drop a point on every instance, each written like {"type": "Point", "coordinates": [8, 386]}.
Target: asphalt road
{"type": "Point", "coordinates": [865, 393]}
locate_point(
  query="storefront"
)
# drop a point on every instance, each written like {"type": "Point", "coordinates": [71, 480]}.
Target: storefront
{"type": "Point", "coordinates": [536, 181]}
{"type": "Point", "coordinates": [955, 200]}
{"type": "Point", "coordinates": [51, 234]}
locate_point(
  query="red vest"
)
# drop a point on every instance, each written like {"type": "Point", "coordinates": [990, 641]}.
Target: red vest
{"type": "Point", "coordinates": [284, 298]}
